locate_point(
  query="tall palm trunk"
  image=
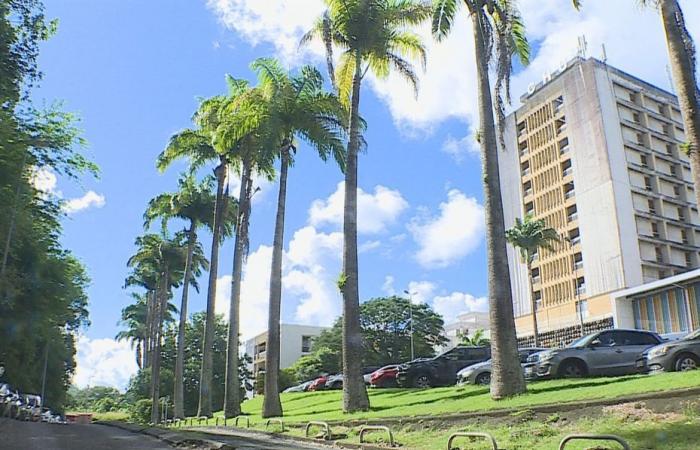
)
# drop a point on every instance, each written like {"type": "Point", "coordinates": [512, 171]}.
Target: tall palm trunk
{"type": "Point", "coordinates": [162, 303]}
{"type": "Point", "coordinates": [148, 341]}
{"type": "Point", "coordinates": [139, 355]}
{"type": "Point", "coordinates": [232, 394]}
{"type": "Point", "coordinates": [179, 394]}
{"type": "Point", "coordinates": [207, 373]}
{"type": "Point", "coordinates": [533, 305]}
{"type": "Point", "coordinates": [507, 376]}
{"type": "Point", "coordinates": [272, 407]}
{"type": "Point", "coordinates": [354, 391]}
{"type": "Point", "coordinates": [682, 55]}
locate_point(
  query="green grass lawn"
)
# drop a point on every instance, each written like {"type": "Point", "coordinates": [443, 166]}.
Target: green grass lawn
{"type": "Point", "coordinates": [303, 407]}
{"type": "Point", "coordinates": [520, 431]}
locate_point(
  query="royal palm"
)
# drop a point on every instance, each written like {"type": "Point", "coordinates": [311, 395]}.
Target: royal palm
{"type": "Point", "coordinates": [373, 35]}
{"type": "Point", "coordinates": [529, 236]}
{"type": "Point", "coordinates": [198, 147]}
{"type": "Point", "coordinates": [194, 202]}
{"type": "Point", "coordinates": [298, 106]}
{"type": "Point", "coordinates": [498, 35]}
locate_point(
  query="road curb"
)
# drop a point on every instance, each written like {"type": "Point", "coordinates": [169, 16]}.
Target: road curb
{"type": "Point", "coordinates": [169, 437]}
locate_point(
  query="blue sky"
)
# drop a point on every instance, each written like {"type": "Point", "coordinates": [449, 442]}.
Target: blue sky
{"type": "Point", "coordinates": [133, 71]}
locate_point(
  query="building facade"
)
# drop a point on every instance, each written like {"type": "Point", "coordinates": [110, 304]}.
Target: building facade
{"type": "Point", "coordinates": [295, 342]}
{"type": "Point", "coordinates": [596, 153]}
{"type": "Point", "coordinates": [466, 324]}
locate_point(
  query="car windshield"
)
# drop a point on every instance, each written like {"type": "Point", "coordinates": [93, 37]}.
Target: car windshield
{"type": "Point", "coordinates": [582, 341]}
{"type": "Point", "coordinates": [693, 336]}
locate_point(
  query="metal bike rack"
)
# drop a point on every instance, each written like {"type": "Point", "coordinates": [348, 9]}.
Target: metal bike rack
{"type": "Point", "coordinates": [366, 428]}
{"type": "Point", "coordinates": [247, 421]}
{"type": "Point", "coordinates": [485, 436]}
{"type": "Point", "coordinates": [594, 437]}
{"type": "Point", "coordinates": [279, 421]}
{"type": "Point", "coordinates": [327, 435]}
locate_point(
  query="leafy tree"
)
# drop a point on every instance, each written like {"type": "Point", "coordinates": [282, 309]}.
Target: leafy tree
{"type": "Point", "coordinates": [372, 35]}
{"type": "Point", "coordinates": [299, 107]}
{"type": "Point", "coordinates": [499, 35]}
{"type": "Point", "coordinates": [322, 360]}
{"type": "Point", "coordinates": [528, 236]}
{"type": "Point", "coordinates": [386, 332]}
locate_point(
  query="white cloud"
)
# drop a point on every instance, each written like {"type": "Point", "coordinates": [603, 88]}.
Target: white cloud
{"type": "Point", "coordinates": [309, 270]}
{"type": "Point", "coordinates": [460, 149]}
{"type": "Point", "coordinates": [44, 180]}
{"type": "Point", "coordinates": [89, 200]}
{"type": "Point", "coordinates": [368, 246]}
{"type": "Point", "coordinates": [421, 291]}
{"type": "Point", "coordinates": [261, 186]}
{"type": "Point", "coordinates": [388, 285]}
{"type": "Point", "coordinates": [255, 293]}
{"type": "Point", "coordinates": [281, 23]}
{"type": "Point", "coordinates": [450, 236]}
{"type": "Point", "coordinates": [448, 87]}
{"type": "Point", "coordinates": [374, 211]}
{"type": "Point", "coordinates": [104, 362]}
{"type": "Point", "coordinates": [456, 303]}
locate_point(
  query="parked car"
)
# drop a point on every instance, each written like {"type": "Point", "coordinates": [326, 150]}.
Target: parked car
{"type": "Point", "coordinates": [442, 369]}
{"type": "Point", "coordinates": [609, 353]}
{"type": "Point", "coordinates": [384, 377]}
{"type": "Point", "coordinates": [334, 381]}
{"type": "Point", "coordinates": [674, 356]}
{"type": "Point", "coordinates": [318, 384]}
{"type": "Point", "coordinates": [303, 387]}
{"type": "Point", "coordinates": [480, 373]}
{"type": "Point", "coordinates": [367, 373]}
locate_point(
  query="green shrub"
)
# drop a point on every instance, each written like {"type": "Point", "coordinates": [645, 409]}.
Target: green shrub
{"type": "Point", "coordinates": [141, 411]}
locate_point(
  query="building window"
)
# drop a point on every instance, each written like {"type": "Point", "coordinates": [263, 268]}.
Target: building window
{"type": "Point", "coordinates": [306, 344]}
{"type": "Point", "coordinates": [636, 118]}
{"type": "Point", "coordinates": [684, 236]}
{"type": "Point", "coordinates": [655, 229]}
{"type": "Point", "coordinates": [681, 214]}
{"type": "Point", "coordinates": [688, 259]}
{"type": "Point", "coordinates": [643, 161]}
{"type": "Point", "coordinates": [659, 255]}
{"type": "Point", "coordinates": [652, 208]}
{"type": "Point", "coordinates": [647, 183]}
{"type": "Point", "coordinates": [669, 149]}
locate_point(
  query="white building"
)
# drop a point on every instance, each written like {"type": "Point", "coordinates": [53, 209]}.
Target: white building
{"type": "Point", "coordinates": [295, 342]}
{"type": "Point", "coordinates": [466, 324]}
{"type": "Point", "coordinates": [596, 153]}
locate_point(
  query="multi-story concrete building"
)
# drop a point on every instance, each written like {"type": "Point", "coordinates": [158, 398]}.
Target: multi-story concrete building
{"type": "Point", "coordinates": [295, 342]}
{"type": "Point", "coordinates": [597, 154]}
{"type": "Point", "coordinates": [466, 324]}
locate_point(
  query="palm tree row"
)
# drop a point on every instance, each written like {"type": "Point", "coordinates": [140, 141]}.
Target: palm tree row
{"type": "Point", "coordinates": [246, 131]}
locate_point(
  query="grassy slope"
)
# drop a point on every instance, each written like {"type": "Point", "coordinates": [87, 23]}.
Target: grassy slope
{"type": "Point", "coordinates": [303, 407]}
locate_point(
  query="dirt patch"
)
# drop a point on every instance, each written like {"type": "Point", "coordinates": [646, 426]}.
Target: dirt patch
{"type": "Point", "coordinates": [638, 411]}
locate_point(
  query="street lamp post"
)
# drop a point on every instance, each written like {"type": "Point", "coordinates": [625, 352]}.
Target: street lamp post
{"type": "Point", "coordinates": [410, 314]}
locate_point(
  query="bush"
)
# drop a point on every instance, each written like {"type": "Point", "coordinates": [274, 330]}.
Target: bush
{"type": "Point", "coordinates": [141, 411]}
{"type": "Point", "coordinates": [286, 379]}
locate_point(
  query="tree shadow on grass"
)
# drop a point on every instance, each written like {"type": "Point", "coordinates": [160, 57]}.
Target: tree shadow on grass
{"type": "Point", "coordinates": [665, 435]}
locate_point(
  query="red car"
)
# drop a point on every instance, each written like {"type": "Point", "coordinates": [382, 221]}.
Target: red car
{"type": "Point", "coordinates": [319, 383]}
{"type": "Point", "coordinates": [384, 377]}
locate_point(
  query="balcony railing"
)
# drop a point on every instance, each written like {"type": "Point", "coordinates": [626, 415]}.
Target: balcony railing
{"type": "Point", "coordinates": [564, 149]}
{"type": "Point", "coordinates": [568, 171]}
{"type": "Point", "coordinates": [569, 194]}
{"type": "Point", "coordinates": [573, 217]}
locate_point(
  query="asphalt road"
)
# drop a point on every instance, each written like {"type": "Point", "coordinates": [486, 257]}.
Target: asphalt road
{"type": "Point", "coordinates": [16, 435]}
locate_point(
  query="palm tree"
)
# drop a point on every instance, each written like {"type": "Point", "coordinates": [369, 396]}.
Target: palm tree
{"type": "Point", "coordinates": [299, 107]}
{"type": "Point", "coordinates": [198, 147]}
{"type": "Point", "coordinates": [240, 134]}
{"type": "Point", "coordinates": [499, 34]}
{"type": "Point", "coordinates": [372, 35]}
{"type": "Point", "coordinates": [194, 202]}
{"type": "Point", "coordinates": [478, 339]}
{"type": "Point", "coordinates": [528, 236]}
{"type": "Point", "coordinates": [165, 259]}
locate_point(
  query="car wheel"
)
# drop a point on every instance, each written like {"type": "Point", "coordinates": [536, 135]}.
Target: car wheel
{"type": "Point", "coordinates": [572, 369]}
{"type": "Point", "coordinates": [337, 385]}
{"type": "Point", "coordinates": [421, 381]}
{"type": "Point", "coordinates": [483, 379]}
{"type": "Point", "coordinates": [687, 362]}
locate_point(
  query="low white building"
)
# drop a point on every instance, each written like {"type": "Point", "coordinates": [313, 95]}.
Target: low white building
{"type": "Point", "coordinates": [295, 342]}
{"type": "Point", "coordinates": [466, 324]}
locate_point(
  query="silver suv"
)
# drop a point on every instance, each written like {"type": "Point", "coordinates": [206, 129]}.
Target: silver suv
{"type": "Point", "coordinates": [609, 353]}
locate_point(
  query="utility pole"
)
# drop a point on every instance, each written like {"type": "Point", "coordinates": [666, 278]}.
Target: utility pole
{"type": "Point", "coordinates": [410, 314]}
